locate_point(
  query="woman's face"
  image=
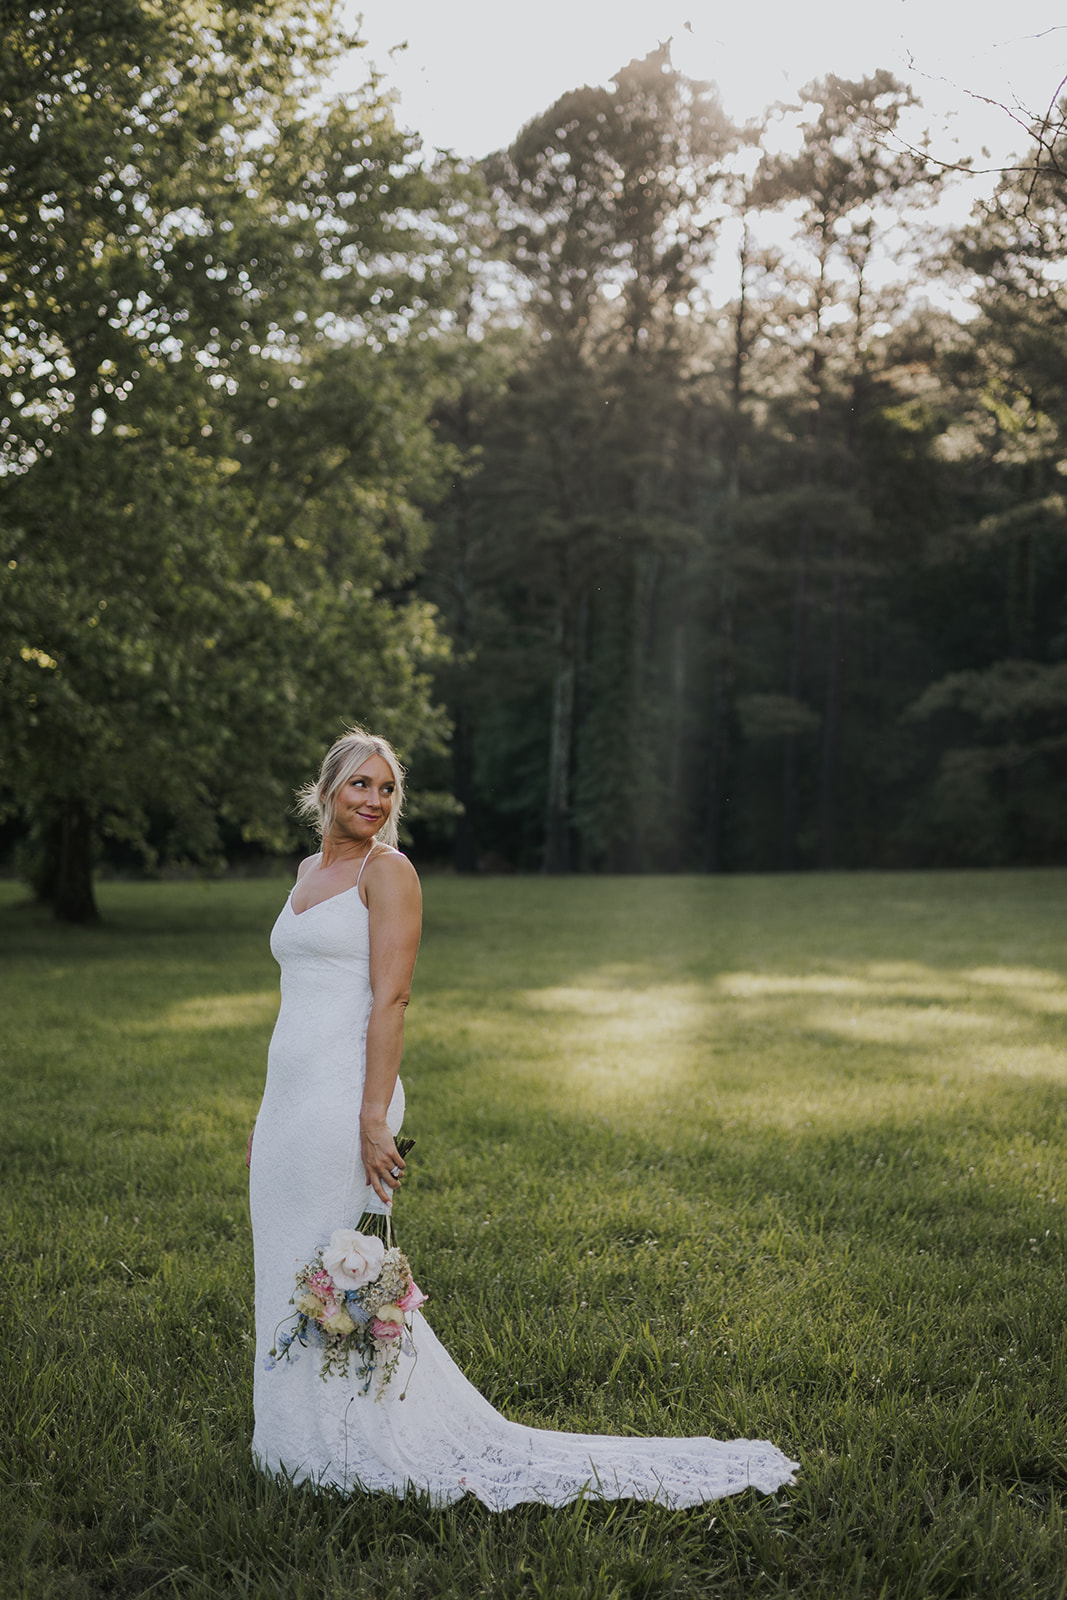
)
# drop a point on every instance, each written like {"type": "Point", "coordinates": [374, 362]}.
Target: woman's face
{"type": "Point", "coordinates": [363, 803]}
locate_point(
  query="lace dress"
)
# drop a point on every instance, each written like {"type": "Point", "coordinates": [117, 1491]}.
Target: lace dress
{"type": "Point", "coordinates": [307, 1179]}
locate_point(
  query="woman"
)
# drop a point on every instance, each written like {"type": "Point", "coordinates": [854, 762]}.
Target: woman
{"type": "Point", "coordinates": [324, 1154]}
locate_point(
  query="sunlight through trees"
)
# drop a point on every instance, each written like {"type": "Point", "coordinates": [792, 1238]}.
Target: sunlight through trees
{"type": "Point", "coordinates": [300, 427]}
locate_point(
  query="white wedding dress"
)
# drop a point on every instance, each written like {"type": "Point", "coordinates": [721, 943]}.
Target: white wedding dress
{"type": "Point", "coordinates": [307, 1179]}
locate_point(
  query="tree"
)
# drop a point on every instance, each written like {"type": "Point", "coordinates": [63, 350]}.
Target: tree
{"type": "Point", "coordinates": [192, 258]}
{"type": "Point", "coordinates": [605, 213]}
{"type": "Point", "coordinates": [849, 186]}
{"type": "Point", "coordinates": [1000, 710]}
{"type": "Point", "coordinates": [722, 550]}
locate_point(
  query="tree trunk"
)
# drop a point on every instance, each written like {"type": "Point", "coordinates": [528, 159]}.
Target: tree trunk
{"type": "Point", "coordinates": [557, 853]}
{"type": "Point", "coordinates": [646, 575]}
{"type": "Point", "coordinates": [74, 898]}
{"type": "Point", "coordinates": [465, 849]}
{"type": "Point", "coordinates": [796, 672]}
{"type": "Point", "coordinates": [720, 738]}
{"type": "Point", "coordinates": [579, 852]}
{"type": "Point", "coordinates": [676, 762]}
{"type": "Point", "coordinates": [1020, 596]}
{"type": "Point", "coordinates": [831, 732]}
{"type": "Point", "coordinates": [722, 690]}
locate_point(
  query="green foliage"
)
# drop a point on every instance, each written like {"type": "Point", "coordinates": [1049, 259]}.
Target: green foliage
{"type": "Point", "coordinates": [590, 461]}
{"type": "Point", "coordinates": [1000, 713]}
{"type": "Point", "coordinates": [610, 188]}
{"type": "Point", "coordinates": [213, 430]}
{"type": "Point", "coordinates": [714, 558]}
{"type": "Point", "coordinates": [760, 1157]}
{"type": "Point", "coordinates": [279, 400]}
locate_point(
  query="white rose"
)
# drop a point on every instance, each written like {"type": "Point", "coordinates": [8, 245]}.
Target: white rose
{"type": "Point", "coordinates": [353, 1258]}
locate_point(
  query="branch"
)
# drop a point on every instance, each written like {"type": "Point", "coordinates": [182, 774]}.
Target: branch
{"type": "Point", "coordinates": [1041, 131]}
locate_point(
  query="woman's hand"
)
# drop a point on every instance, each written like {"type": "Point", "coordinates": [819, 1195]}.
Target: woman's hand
{"type": "Point", "coordinates": [381, 1158]}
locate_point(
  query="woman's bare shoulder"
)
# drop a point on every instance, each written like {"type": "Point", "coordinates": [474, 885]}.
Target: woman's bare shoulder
{"type": "Point", "coordinates": [392, 869]}
{"type": "Point", "coordinates": [307, 864]}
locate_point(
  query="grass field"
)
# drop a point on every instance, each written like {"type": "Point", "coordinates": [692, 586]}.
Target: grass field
{"type": "Point", "coordinates": [775, 1157]}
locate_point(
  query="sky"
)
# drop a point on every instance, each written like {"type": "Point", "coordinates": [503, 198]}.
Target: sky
{"type": "Point", "coordinates": [475, 71]}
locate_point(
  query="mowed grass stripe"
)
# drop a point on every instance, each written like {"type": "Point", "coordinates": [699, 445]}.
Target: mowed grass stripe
{"type": "Point", "coordinates": [772, 1157]}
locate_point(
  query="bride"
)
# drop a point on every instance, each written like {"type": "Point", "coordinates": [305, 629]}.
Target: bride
{"type": "Point", "coordinates": [323, 1154]}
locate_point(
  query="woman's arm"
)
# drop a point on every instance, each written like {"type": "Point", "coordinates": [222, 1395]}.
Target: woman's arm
{"type": "Point", "coordinates": [394, 900]}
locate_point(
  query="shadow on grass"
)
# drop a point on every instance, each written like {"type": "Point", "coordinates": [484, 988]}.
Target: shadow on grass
{"type": "Point", "coordinates": [777, 1158]}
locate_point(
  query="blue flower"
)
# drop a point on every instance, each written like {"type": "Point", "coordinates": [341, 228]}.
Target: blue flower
{"type": "Point", "coordinates": [269, 1363]}
{"type": "Point", "coordinates": [356, 1309]}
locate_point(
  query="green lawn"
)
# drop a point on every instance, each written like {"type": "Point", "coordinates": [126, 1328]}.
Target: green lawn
{"type": "Point", "coordinates": [776, 1157]}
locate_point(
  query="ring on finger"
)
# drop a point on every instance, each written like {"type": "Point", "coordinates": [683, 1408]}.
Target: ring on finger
{"type": "Point", "coordinates": [396, 1172]}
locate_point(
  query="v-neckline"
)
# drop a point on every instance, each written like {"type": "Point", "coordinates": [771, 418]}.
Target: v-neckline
{"type": "Point", "coordinates": [340, 893]}
{"type": "Point", "coordinates": [316, 903]}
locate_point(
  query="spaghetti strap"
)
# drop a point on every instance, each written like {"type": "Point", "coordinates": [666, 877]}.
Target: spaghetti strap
{"type": "Point", "coordinates": [367, 857]}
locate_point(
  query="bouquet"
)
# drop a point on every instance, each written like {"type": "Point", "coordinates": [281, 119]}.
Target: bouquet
{"type": "Point", "coordinates": [353, 1298]}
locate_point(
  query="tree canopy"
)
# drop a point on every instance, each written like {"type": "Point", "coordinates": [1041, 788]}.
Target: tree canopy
{"type": "Point", "coordinates": [301, 426]}
{"type": "Point", "coordinates": [213, 435]}
{"type": "Point", "coordinates": [733, 579]}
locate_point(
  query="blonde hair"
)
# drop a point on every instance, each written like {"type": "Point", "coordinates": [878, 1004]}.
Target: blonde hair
{"type": "Point", "coordinates": [315, 802]}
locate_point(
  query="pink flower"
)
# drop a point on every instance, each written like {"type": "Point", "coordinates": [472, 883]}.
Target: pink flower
{"type": "Point", "coordinates": [385, 1330]}
{"type": "Point", "coordinates": [413, 1299]}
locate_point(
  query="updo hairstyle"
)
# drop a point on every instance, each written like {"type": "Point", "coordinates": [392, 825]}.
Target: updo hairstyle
{"type": "Point", "coordinates": [315, 802]}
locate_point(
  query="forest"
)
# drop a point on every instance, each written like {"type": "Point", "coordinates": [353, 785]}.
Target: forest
{"type": "Point", "coordinates": [300, 425]}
